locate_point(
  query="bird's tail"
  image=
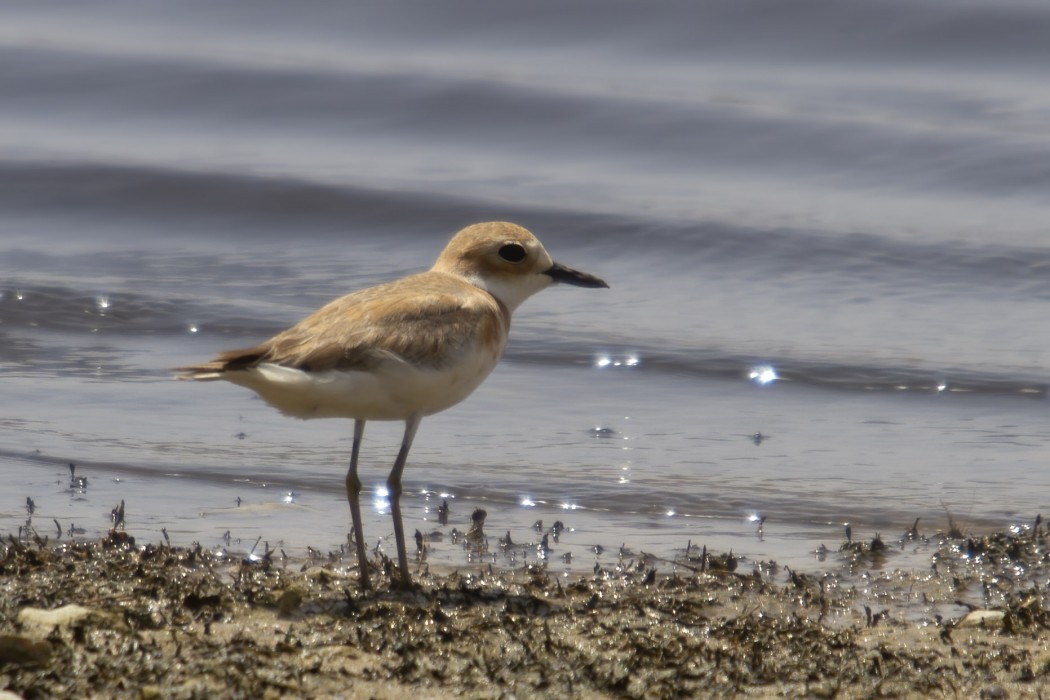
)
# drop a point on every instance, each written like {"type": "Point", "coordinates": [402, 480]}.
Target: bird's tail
{"type": "Point", "coordinates": [209, 371]}
{"type": "Point", "coordinates": [228, 361]}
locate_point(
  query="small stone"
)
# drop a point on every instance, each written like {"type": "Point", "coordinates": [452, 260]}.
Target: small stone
{"type": "Point", "coordinates": [50, 619]}
{"type": "Point", "coordinates": [983, 618]}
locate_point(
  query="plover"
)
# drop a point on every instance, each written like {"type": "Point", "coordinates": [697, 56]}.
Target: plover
{"type": "Point", "coordinates": [401, 350]}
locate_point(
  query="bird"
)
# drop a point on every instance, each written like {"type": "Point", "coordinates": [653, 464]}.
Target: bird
{"type": "Point", "coordinates": [401, 350]}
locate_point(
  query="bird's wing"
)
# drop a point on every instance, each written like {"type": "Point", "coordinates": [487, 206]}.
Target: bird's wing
{"type": "Point", "coordinates": [425, 320]}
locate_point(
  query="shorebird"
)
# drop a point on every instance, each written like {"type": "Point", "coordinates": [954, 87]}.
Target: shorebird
{"type": "Point", "coordinates": [401, 350]}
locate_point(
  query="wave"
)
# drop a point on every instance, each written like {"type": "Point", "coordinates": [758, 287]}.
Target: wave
{"type": "Point", "coordinates": [109, 319]}
{"type": "Point", "coordinates": [822, 373]}
{"type": "Point", "coordinates": [268, 209]}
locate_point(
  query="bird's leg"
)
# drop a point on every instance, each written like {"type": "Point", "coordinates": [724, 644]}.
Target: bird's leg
{"type": "Point", "coordinates": [353, 495]}
{"type": "Point", "coordinates": [393, 483]}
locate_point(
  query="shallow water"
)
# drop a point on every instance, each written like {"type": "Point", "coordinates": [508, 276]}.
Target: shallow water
{"type": "Point", "coordinates": [862, 209]}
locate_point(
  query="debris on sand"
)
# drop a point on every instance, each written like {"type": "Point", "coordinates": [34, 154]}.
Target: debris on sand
{"type": "Point", "coordinates": [161, 621]}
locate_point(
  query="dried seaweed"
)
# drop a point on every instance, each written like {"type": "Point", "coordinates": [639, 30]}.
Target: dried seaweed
{"type": "Point", "coordinates": [187, 623]}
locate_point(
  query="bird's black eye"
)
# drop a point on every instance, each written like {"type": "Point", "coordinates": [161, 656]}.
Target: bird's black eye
{"type": "Point", "coordinates": [512, 252]}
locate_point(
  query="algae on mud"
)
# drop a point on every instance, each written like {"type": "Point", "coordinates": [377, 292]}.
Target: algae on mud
{"type": "Point", "coordinates": [187, 623]}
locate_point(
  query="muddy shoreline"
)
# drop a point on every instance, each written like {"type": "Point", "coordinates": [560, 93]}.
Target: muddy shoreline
{"type": "Point", "coordinates": [109, 618]}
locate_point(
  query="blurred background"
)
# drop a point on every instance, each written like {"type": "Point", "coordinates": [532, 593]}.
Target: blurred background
{"type": "Point", "coordinates": [825, 226]}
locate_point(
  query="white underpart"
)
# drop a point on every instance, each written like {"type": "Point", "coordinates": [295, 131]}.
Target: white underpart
{"type": "Point", "coordinates": [393, 391]}
{"type": "Point", "coordinates": [512, 291]}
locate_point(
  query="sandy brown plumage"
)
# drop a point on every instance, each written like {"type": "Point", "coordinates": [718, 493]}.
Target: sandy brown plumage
{"type": "Point", "coordinates": [425, 319]}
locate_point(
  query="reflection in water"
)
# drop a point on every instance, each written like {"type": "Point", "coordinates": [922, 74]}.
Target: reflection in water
{"type": "Point", "coordinates": [381, 499]}
{"type": "Point", "coordinates": [764, 374]}
{"type": "Point", "coordinates": [603, 361]}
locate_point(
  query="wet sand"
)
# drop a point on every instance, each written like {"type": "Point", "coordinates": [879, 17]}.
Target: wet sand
{"type": "Point", "coordinates": [153, 621]}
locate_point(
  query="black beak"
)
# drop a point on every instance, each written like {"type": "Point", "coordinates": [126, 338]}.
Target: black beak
{"type": "Point", "coordinates": [560, 273]}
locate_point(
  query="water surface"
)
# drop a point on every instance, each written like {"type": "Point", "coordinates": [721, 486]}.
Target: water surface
{"type": "Point", "coordinates": [853, 195]}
